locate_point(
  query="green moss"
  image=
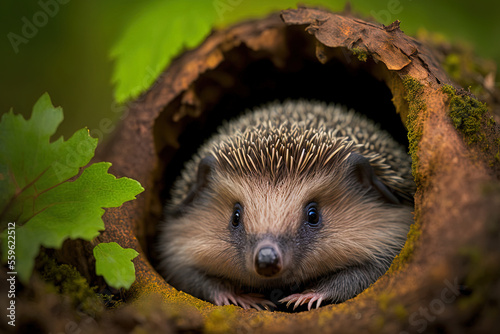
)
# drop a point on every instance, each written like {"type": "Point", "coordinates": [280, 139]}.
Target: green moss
{"type": "Point", "coordinates": [467, 115]}
{"type": "Point", "coordinates": [462, 67]}
{"type": "Point", "coordinates": [448, 89]}
{"type": "Point", "coordinates": [390, 309]}
{"type": "Point", "coordinates": [470, 117]}
{"type": "Point", "coordinates": [416, 105]}
{"type": "Point", "coordinates": [405, 255]}
{"type": "Point", "coordinates": [66, 280]}
{"type": "Point", "coordinates": [401, 312]}
{"type": "Point", "coordinates": [111, 301]}
{"type": "Point", "coordinates": [460, 61]}
{"type": "Point", "coordinates": [384, 299]}
{"type": "Point", "coordinates": [362, 55]}
{"type": "Point", "coordinates": [325, 318]}
{"type": "Point", "coordinates": [497, 154]}
{"type": "Point", "coordinates": [221, 319]}
{"type": "Point", "coordinates": [452, 66]}
{"type": "Point", "coordinates": [491, 121]}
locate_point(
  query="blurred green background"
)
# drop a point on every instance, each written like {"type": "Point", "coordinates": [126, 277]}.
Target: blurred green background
{"type": "Point", "coordinates": [69, 55]}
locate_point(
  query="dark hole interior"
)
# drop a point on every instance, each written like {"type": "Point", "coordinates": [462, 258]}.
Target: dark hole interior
{"type": "Point", "coordinates": [247, 79]}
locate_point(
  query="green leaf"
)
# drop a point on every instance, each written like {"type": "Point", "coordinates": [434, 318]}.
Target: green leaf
{"type": "Point", "coordinates": [162, 29]}
{"type": "Point", "coordinates": [35, 189]}
{"type": "Point", "coordinates": [115, 264]}
{"type": "Point", "coordinates": [30, 164]}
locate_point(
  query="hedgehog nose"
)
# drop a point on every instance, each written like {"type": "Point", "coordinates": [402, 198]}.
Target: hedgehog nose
{"type": "Point", "coordinates": [267, 262]}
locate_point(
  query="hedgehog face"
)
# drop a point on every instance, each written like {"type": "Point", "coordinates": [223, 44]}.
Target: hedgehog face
{"type": "Point", "coordinates": [261, 230]}
{"type": "Point", "coordinates": [295, 194]}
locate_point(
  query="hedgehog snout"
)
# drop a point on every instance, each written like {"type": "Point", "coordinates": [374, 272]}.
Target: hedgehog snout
{"type": "Point", "coordinates": [268, 260]}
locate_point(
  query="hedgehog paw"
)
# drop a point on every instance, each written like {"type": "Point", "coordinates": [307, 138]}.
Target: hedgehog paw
{"type": "Point", "coordinates": [246, 301]}
{"type": "Point", "coordinates": [307, 296]}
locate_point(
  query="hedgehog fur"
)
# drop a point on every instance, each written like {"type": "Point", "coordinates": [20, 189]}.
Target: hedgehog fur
{"type": "Point", "coordinates": [299, 199]}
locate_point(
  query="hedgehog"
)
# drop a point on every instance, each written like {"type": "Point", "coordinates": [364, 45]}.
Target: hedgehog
{"type": "Point", "coordinates": [295, 203]}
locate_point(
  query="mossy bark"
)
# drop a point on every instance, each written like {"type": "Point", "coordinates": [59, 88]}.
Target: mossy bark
{"type": "Point", "coordinates": [437, 283]}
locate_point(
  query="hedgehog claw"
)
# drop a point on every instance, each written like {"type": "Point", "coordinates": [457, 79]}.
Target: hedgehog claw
{"type": "Point", "coordinates": [245, 301]}
{"type": "Point", "coordinates": [302, 298]}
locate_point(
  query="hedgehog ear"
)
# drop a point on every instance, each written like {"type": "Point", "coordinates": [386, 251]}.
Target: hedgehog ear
{"type": "Point", "coordinates": [365, 174]}
{"type": "Point", "coordinates": [205, 168]}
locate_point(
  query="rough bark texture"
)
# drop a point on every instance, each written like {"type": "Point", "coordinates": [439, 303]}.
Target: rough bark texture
{"type": "Point", "coordinates": [446, 278]}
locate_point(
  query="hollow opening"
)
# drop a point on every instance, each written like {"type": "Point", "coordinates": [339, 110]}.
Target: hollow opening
{"type": "Point", "coordinates": [246, 79]}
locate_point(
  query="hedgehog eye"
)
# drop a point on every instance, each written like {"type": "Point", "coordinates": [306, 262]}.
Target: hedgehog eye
{"type": "Point", "coordinates": [312, 214]}
{"type": "Point", "coordinates": [236, 217]}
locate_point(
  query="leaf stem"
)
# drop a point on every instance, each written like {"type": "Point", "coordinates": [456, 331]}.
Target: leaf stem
{"type": "Point", "coordinates": [16, 195]}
